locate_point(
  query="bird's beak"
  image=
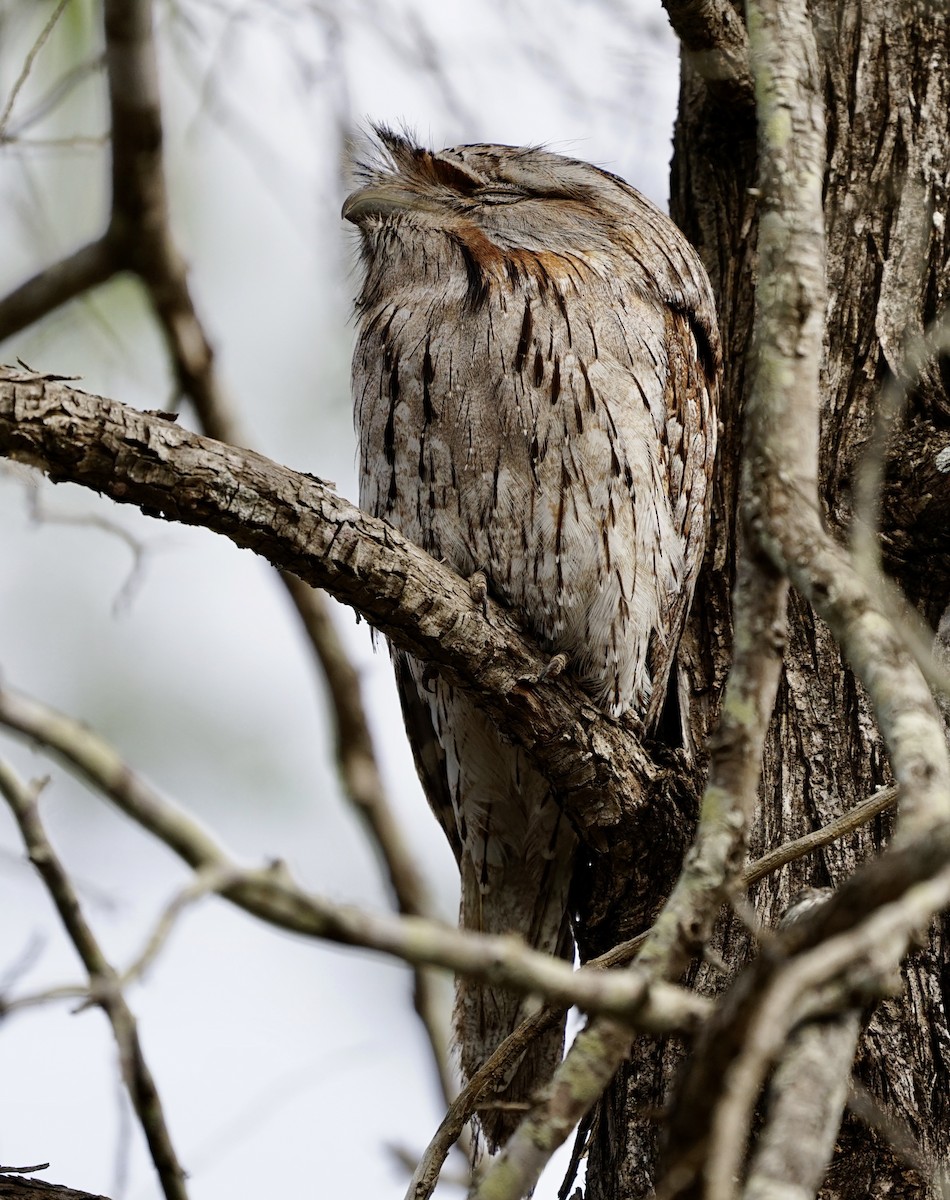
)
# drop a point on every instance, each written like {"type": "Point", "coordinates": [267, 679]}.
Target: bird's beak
{"type": "Point", "coordinates": [380, 200]}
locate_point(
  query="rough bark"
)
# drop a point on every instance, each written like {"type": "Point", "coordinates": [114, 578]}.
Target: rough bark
{"type": "Point", "coordinates": [300, 525]}
{"type": "Point", "coordinates": [12, 1187]}
{"type": "Point", "coordinates": [885, 67]}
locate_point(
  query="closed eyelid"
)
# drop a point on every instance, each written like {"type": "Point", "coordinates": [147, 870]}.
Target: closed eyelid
{"type": "Point", "coordinates": [501, 193]}
{"type": "Point", "coordinates": [454, 176]}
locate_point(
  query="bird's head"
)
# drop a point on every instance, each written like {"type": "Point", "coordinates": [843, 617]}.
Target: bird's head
{"type": "Point", "coordinates": [494, 216]}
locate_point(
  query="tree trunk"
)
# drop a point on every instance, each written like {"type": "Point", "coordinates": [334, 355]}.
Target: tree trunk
{"type": "Point", "coordinates": [886, 71]}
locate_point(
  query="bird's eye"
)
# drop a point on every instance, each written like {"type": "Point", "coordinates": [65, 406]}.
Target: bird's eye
{"type": "Point", "coordinates": [499, 194]}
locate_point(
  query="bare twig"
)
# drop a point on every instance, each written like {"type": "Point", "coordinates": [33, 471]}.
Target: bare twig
{"type": "Point", "coordinates": [496, 1068]}
{"type": "Point", "coordinates": [860, 815]}
{"type": "Point", "coordinates": [56, 285]}
{"type": "Point", "coordinates": [104, 984]}
{"type": "Point", "coordinates": [34, 50]}
{"type": "Point", "coordinates": [206, 882]}
{"type": "Point", "coordinates": [355, 753]}
{"type": "Point", "coordinates": [896, 1134]}
{"type": "Point", "coordinates": [43, 516]}
{"type": "Point", "coordinates": [58, 91]}
{"type": "Point", "coordinates": [139, 223]}
{"type": "Point", "coordinates": [271, 895]}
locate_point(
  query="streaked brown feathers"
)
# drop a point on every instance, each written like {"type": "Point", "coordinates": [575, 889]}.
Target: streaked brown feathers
{"type": "Point", "coordinates": [535, 393]}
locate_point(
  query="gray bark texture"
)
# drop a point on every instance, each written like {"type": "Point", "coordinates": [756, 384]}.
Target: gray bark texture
{"type": "Point", "coordinates": [884, 67]}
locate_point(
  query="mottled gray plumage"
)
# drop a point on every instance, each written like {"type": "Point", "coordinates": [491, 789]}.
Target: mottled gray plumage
{"type": "Point", "coordinates": [534, 386]}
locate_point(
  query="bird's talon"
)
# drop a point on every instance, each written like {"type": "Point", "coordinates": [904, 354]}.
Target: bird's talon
{"type": "Point", "coordinates": [554, 668]}
{"type": "Point", "coordinates": [478, 590]}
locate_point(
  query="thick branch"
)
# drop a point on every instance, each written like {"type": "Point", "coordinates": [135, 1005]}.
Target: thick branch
{"type": "Point", "coordinates": [808, 1092]}
{"type": "Point", "coordinates": [298, 524]}
{"type": "Point", "coordinates": [714, 41]}
{"type": "Point", "coordinates": [12, 1187]}
{"type": "Point", "coordinates": [88, 267]}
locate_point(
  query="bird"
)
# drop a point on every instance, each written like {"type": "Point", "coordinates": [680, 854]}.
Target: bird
{"type": "Point", "coordinates": [535, 384]}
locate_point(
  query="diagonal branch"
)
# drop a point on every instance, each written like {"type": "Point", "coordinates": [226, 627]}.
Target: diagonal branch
{"type": "Point", "coordinates": [55, 285]}
{"type": "Point", "coordinates": [510, 1051]}
{"type": "Point", "coordinates": [270, 894]}
{"type": "Point", "coordinates": [298, 524]}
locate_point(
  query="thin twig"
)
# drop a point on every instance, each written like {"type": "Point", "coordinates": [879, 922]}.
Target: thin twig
{"type": "Point", "coordinates": [272, 895]}
{"type": "Point", "coordinates": [104, 984]}
{"type": "Point", "coordinates": [56, 285]}
{"type": "Point", "coordinates": [496, 1068]}
{"type": "Point", "coordinates": [860, 815]}
{"type": "Point", "coordinates": [211, 880]}
{"type": "Point", "coordinates": [28, 64]}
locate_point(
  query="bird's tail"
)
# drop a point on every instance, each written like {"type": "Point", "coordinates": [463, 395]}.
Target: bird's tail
{"type": "Point", "coordinates": [509, 887]}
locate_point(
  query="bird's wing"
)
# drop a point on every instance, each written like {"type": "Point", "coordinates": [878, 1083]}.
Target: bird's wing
{"type": "Point", "coordinates": [427, 751]}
